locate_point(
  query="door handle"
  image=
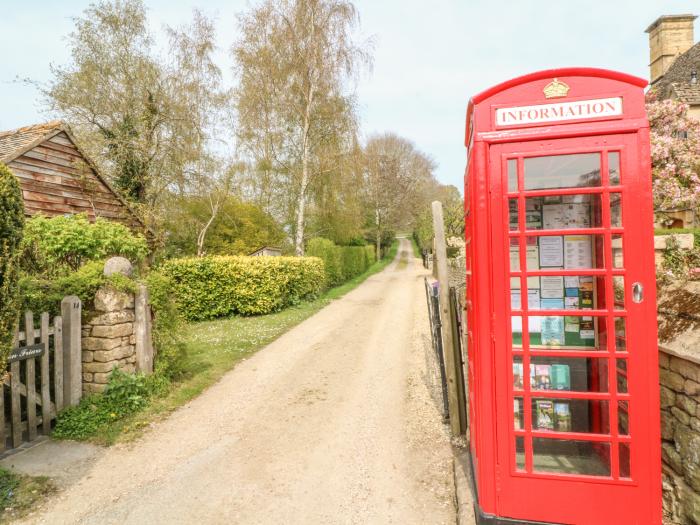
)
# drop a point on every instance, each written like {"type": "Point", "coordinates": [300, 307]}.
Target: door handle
{"type": "Point", "coordinates": [637, 293]}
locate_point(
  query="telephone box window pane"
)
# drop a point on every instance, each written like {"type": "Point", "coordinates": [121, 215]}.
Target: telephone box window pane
{"type": "Point", "coordinates": [564, 212]}
{"type": "Point", "coordinates": [619, 292]}
{"type": "Point", "coordinates": [588, 416]}
{"type": "Point", "coordinates": [622, 376]}
{"type": "Point", "coordinates": [562, 171]}
{"type": "Point", "coordinates": [571, 457]}
{"type": "Point", "coordinates": [624, 453]}
{"type": "Point", "coordinates": [571, 332]}
{"type": "Point", "coordinates": [513, 214]}
{"type": "Point", "coordinates": [516, 323]}
{"type": "Point", "coordinates": [512, 175]}
{"type": "Point", "coordinates": [623, 418]}
{"type": "Point", "coordinates": [518, 413]}
{"type": "Point", "coordinates": [616, 210]}
{"type": "Point", "coordinates": [567, 292]}
{"type": "Point", "coordinates": [518, 373]}
{"type": "Point", "coordinates": [574, 374]}
{"type": "Point", "coordinates": [614, 168]}
{"type": "Point", "coordinates": [570, 252]}
{"type": "Point", "coordinates": [618, 257]}
{"type": "Point", "coordinates": [620, 335]}
{"type": "Point", "coordinates": [520, 453]}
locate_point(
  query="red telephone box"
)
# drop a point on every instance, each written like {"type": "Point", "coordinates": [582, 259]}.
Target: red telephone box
{"type": "Point", "coordinates": [561, 306]}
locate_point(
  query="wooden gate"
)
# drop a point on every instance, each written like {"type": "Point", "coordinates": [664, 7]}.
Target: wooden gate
{"type": "Point", "coordinates": [39, 375]}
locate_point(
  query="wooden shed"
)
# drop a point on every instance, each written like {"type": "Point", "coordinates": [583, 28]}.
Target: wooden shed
{"type": "Point", "coordinates": [271, 251]}
{"type": "Point", "coordinates": [57, 178]}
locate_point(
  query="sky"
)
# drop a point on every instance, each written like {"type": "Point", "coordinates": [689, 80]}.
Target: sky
{"type": "Point", "coordinates": [430, 57]}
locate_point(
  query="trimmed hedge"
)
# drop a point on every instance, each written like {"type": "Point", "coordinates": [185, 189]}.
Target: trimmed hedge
{"type": "Point", "coordinates": [341, 263]}
{"type": "Point", "coordinates": [212, 287]}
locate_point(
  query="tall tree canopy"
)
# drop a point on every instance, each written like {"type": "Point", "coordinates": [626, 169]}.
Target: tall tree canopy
{"type": "Point", "coordinates": [295, 110]}
{"type": "Point", "coordinates": [146, 117]}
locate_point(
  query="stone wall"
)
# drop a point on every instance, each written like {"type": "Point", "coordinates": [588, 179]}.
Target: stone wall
{"type": "Point", "coordinates": [679, 375]}
{"type": "Point", "coordinates": [109, 340]}
{"type": "Point", "coordinates": [680, 435]}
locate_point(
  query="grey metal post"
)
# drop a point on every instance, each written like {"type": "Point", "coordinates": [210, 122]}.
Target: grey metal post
{"type": "Point", "coordinates": [71, 309]}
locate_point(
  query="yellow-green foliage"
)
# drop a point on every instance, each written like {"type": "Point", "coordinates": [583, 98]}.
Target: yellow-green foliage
{"type": "Point", "coordinates": [69, 241]}
{"type": "Point", "coordinates": [342, 263]}
{"type": "Point", "coordinates": [212, 287]}
{"type": "Point", "coordinates": [11, 226]}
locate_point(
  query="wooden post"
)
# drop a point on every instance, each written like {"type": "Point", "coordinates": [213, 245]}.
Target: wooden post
{"type": "Point", "coordinates": [15, 400]}
{"type": "Point", "coordinates": [45, 378]}
{"type": "Point", "coordinates": [72, 356]}
{"type": "Point", "coordinates": [142, 332]}
{"type": "Point", "coordinates": [58, 362]}
{"type": "Point", "coordinates": [30, 383]}
{"type": "Point", "coordinates": [440, 264]}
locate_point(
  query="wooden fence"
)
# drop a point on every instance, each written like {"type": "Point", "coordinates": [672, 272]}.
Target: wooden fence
{"type": "Point", "coordinates": [44, 375]}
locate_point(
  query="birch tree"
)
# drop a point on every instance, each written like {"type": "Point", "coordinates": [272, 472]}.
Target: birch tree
{"type": "Point", "coordinates": [397, 178]}
{"type": "Point", "coordinates": [295, 60]}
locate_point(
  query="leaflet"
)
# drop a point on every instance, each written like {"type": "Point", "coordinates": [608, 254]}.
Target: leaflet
{"type": "Point", "coordinates": [552, 286]}
{"type": "Point", "coordinates": [571, 303]}
{"type": "Point", "coordinates": [552, 304]}
{"type": "Point", "coordinates": [551, 251]}
{"type": "Point", "coordinates": [552, 331]}
{"type": "Point", "coordinates": [577, 252]}
{"type": "Point", "coordinates": [571, 281]}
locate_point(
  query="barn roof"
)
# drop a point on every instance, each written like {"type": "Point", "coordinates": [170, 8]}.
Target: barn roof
{"type": "Point", "coordinates": [15, 143]}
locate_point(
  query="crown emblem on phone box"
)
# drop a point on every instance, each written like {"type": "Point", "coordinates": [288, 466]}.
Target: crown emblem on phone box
{"type": "Point", "coordinates": [555, 89]}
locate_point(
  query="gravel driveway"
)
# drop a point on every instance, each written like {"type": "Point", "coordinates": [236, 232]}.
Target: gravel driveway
{"type": "Point", "coordinates": [331, 423]}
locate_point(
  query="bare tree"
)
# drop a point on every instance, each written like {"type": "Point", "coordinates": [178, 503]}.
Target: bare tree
{"type": "Point", "coordinates": [395, 179]}
{"type": "Point", "coordinates": [295, 58]}
{"type": "Point", "coordinates": [145, 116]}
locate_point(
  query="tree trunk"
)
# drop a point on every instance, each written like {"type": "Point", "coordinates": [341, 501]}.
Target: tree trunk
{"type": "Point", "coordinates": [305, 177]}
{"type": "Point", "coordinates": [203, 232]}
{"type": "Point", "coordinates": [379, 234]}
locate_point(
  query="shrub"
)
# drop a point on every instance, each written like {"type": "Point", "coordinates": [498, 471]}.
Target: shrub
{"type": "Point", "coordinates": [167, 340]}
{"type": "Point", "coordinates": [125, 394]}
{"type": "Point", "coordinates": [327, 251]}
{"type": "Point", "coordinates": [342, 263]}
{"type": "Point", "coordinates": [70, 241]}
{"type": "Point", "coordinates": [211, 287]}
{"type": "Point", "coordinates": [42, 293]}
{"type": "Point", "coordinates": [11, 229]}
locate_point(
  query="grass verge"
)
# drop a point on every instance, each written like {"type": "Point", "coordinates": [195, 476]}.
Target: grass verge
{"type": "Point", "coordinates": [19, 494]}
{"type": "Point", "coordinates": [416, 250]}
{"type": "Point", "coordinates": [215, 347]}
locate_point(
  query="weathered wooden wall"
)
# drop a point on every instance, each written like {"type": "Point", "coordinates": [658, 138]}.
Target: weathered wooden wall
{"type": "Point", "coordinates": [56, 180]}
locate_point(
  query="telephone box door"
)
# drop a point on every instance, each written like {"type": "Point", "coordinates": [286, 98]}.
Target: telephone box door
{"type": "Point", "coordinates": [576, 379]}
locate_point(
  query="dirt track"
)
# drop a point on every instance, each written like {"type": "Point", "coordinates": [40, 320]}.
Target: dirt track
{"type": "Point", "coordinates": [332, 423]}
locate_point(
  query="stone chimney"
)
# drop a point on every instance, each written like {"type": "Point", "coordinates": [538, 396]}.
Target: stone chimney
{"type": "Point", "coordinates": [669, 36]}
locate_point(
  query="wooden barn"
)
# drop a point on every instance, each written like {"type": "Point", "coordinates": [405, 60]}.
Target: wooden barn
{"type": "Point", "coordinates": [57, 178]}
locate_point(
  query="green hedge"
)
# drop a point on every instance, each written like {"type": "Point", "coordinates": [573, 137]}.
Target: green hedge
{"type": "Point", "coordinates": [212, 287]}
{"type": "Point", "coordinates": [341, 263]}
{"type": "Point", "coordinates": [54, 243]}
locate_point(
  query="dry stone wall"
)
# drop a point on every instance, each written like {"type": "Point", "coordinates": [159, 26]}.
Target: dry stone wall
{"type": "Point", "coordinates": [109, 340]}
{"type": "Point", "coordinates": [679, 376]}
{"type": "Point", "coordinates": [680, 437]}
